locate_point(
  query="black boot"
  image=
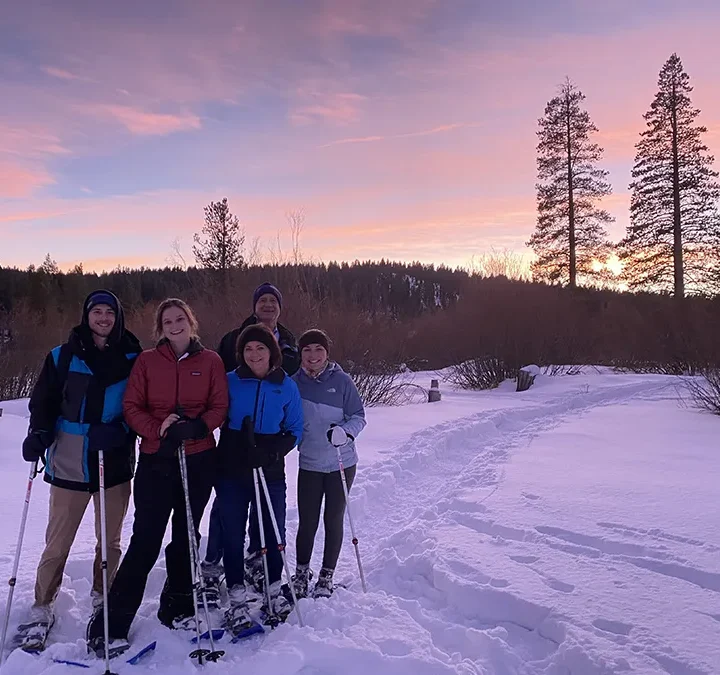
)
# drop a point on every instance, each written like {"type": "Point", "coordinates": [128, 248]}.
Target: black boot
{"type": "Point", "coordinates": [174, 607]}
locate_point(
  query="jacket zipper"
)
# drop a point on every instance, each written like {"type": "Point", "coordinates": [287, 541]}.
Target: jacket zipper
{"type": "Point", "coordinates": [178, 408]}
{"type": "Point", "coordinates": [257, 400]}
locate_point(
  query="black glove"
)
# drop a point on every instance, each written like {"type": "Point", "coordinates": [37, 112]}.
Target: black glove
{"type": "Point", "coordinates": [186, 429]}
{"type": "Point", "coordinates": [106, 436]}
{"type": "Point", "coordinates": [168, 449]}
{"type": "Point", "coordinates": [258, 457]}
{"type": "Point", "coordinates": [35, 445]}
{"type": "Point", "coordinates": [247, 430]}
{"type": "Point", "coordinates": [276, 445]}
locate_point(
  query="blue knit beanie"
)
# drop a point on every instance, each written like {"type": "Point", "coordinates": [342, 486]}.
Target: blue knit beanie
{"type": "Point", "coordinates": [101, 298]}
{"type": "Point", "coordinates": [264, 289]}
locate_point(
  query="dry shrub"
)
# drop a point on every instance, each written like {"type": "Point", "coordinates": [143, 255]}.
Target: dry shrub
{"type": "Point", "coordinates": [16, 380]}
{"type": "Point", "coordinates": [480, 373]}
{"type": "Point", "coordinates": [376, 381]}
{"type": "Point", "coordinates": [560, 370]}
{"type": "Point", "coordinates": [706, 393]}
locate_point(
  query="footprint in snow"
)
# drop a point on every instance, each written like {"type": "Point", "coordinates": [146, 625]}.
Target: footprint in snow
{"type": "Point", "coordinates": [524, 559]}
{"type": "Point", "coordinates": [616, 627]}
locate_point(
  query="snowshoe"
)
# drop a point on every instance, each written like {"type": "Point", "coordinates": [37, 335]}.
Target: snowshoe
{"type": "Point", "coordinates": [324, 585]}
{"type": "Point", "coordinates": [188, 623]}
{"type": "Point", "coordinates": [237, 620]}
{"type": "Point", "coordinates": [117, 647]}
{"type": "Point", "coordinates": [300, 581]}
{"type": "Point", "coordinates": [212, 577]}
{"type": "Point", "coordinates": [32, 636]}
{"type": "Point", "coordinates": [254, 572]}
{"type": "Point", "coordinates": [281, 607]}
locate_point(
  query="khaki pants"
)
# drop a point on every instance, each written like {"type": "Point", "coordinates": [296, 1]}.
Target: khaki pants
{"type": "Point", "coordinates": [67, 508]}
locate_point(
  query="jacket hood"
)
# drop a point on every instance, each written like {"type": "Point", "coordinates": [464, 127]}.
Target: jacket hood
{"type": "Point", "coordinates": [331, 369]}
{"type": "Point", "coordinates": [118, 329]}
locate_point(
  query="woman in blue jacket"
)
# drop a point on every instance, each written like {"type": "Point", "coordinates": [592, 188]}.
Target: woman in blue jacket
{"type": "Point", "coordinates": [265, 422]}
{"type": "Point", "coordinates": [334, 416]}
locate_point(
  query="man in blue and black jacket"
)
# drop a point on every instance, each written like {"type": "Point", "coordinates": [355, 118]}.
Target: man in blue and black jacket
{"type": "Point", "coordinates": [75, 411]}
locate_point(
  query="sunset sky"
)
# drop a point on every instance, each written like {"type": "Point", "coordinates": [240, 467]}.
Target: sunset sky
{"type": "Point", "coordinates": [405, 129]}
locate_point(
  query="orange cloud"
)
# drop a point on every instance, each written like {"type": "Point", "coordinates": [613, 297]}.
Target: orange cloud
{"type": "Point", "coordinates": [144, 123]}
{"type": "Point", "coordinates": [17, 181]}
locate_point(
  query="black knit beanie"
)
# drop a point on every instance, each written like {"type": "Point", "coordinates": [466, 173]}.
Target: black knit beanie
{"type": "Point", "coordinates": [314, 336]}
{"type": "Point", "coordinates": [259, 332]}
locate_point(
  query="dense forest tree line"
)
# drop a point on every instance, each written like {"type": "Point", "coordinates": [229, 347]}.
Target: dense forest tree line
{"type": "Point", "coordinates": [383, 315]}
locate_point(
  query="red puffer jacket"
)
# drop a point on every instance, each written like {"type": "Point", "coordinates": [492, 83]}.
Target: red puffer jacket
{"type": "Point", "coordinates": [160, 384]}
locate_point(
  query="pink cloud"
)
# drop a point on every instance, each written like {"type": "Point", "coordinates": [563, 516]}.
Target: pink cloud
{"type": "Point", "coordinates": [18, 181]}
{"type": "Point", "coordinates": [337, 108]}
{"type": "Point", "coordinates": [30, 141]}
{"type": "Point", "coordinates": [144, 123]}
{"type": "Point", "coordinates": [61, 74]}
{"type": "Point", "coordinates": [413, 134]}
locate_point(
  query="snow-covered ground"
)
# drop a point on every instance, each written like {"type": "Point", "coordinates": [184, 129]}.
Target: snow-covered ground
{"type": "Point", "coordinates": [570, 529]}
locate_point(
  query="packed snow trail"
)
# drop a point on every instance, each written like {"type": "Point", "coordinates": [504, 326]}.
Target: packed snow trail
{"type": "Point", "coordinates": [494, 543]}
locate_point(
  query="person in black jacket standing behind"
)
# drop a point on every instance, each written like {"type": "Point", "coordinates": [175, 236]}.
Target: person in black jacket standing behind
{"type": "Point", "coordinates": [267, 305]}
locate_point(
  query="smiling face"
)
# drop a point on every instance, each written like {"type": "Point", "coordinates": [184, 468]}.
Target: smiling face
{"type": "Point", "coordinates": [267, 309]}
{"type": "Point", "coordinates": [101, 320]}
{"type": "Point", "coordinates": [257, 357]}
{"type": "Point", "coordinates": [176, 326]}
{"type": "Point", "coordinates": [314, 357]}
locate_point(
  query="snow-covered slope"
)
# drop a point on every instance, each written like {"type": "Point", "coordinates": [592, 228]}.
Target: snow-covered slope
{"type": "Point", "coordinates": [572, 528]}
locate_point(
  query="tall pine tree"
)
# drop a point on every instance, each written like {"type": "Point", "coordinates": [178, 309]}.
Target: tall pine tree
{"type": "Point", "coordinates": [222, 247]}
{"type": "Point", "coordinates": [674, 233]}
{"type": "Point", "coordinates": [570, 236]}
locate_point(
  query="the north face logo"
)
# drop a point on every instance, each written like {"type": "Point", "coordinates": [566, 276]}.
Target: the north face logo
{"type": "Point", "coordinates": [332, 390]}
{"type": "Point", "coordinates": [196, 373]}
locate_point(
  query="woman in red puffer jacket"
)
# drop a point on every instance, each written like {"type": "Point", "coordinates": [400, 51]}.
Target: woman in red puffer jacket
{"type": "Point", "coordinates": [177, 394]}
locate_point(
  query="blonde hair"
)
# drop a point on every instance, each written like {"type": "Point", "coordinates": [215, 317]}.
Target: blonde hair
{"type": "Point", "coordinates": [179, 304]}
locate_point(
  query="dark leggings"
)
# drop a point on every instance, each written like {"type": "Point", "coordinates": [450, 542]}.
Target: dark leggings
{"type": "Point", "coordinates": [312, 486]}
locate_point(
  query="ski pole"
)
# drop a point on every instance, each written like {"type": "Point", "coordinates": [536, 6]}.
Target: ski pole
{"type": "Point", "coordinates": [263, 548]}
{"type": "Point", "coordinates": [13, 579]}
{"type": "Point", "coordinates": [195, 574]}
{"type": "Point", "coordinates": [103, 562]}
{"type": "Point", "coordinates": [352, 526]}
{"type": "Point", "coordinates": [280, 545]}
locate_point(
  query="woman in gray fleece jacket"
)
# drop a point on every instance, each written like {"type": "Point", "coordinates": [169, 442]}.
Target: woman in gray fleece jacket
{"type": "Point", "coordinates": [330, 400]}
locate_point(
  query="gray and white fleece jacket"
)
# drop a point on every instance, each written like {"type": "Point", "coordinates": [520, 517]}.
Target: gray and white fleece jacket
{"type": "Point", "coordinates": [331, 398]}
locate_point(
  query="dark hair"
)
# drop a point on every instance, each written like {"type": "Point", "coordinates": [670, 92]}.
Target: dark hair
{"type": "Point", "coordinates": [258, 332]}
{"type": "Point", "coordinates": [179, 304]}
